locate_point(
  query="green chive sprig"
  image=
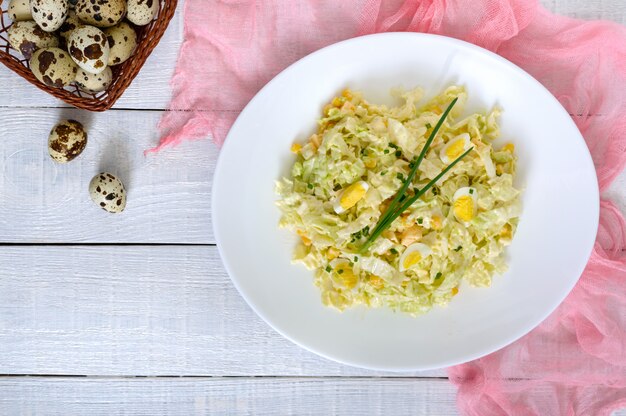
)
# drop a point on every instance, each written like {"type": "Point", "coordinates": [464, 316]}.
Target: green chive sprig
{"type": "Point", "coordinates": [394, 211]}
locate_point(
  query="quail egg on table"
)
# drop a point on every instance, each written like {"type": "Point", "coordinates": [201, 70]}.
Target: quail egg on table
{"type": "Point", "coordinates": [413, 254]}
{"type": "Point", "coordinates": [53, 67]}
{"type": "Point", "coordinates": [71, 22]}
{"type": "Point", "coordinates": [27, 37]}
{"type": "Point", "coordinates": [49, 14]}
{"type": "Point", "coordinates": [464, 204]}
{"type": "Point", "coordinates": [66, 141]}
{"type": "Point", "coordinates": [122, 42]}
{"type": "Point", "coordinates": [89, 48]}
{"type": "Point", "coordinates": [142, 12]}
{"type": "Point", "coordinates": [108, 192]}
{"type": "Point", "coordinates": [19, 10]}
{"type": "Point", "coordinates": [101, 13]}
{"type": "Point", "coordinates": [93, 83]}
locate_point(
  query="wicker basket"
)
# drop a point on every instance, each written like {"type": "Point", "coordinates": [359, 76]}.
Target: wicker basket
{"type": "Point", "coordinates": [147, 38]}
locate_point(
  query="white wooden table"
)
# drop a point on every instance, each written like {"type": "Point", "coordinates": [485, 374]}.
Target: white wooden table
{"type": "Point", "coordinates": [134, 314]}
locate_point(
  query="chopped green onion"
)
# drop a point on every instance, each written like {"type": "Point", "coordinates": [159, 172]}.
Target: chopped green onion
{"type": "Point", "coordinates": [328, 269]}
{"type": "Point", "coordinates": [438, 275]}
{"type": "Point", "coordinates": [386, 222]}
{"type": "Point", "coordinates": [420, 220]}
{"type": "Point", "coordinates": [393, 250]}
{"type": "Point", "coordinates": [395, 146]}
{"type": "Point", "coordinates": [309, 185]}
{"type": "Point", "coordinates": [340, 271]}
{"type": "Point", "coordinates": [428, 126]}
{"type": "Point", "coordinates": [386, 151]}
{"type": "Point", "coordinates": [356, 259]}
{"type": "Point", "coordinates": [458, 248]}
{"type": "Point", "coordinates": [398, 153]}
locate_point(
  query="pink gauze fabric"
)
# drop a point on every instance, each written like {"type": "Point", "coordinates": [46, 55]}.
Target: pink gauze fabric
{"type": "Point", "coordinates": [574, 363]}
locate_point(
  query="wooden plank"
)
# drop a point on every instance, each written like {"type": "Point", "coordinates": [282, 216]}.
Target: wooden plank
{"type": "Point", "coordinates": [614, 10]}
{"type": "Point", "coordinates": [150, 90]}
{"type": "Point", "coordinates": [42, 201]}
{"type": "Point", "coordinates": [137, 310]}
{"type": "Point", "coordinates": [217, 396]}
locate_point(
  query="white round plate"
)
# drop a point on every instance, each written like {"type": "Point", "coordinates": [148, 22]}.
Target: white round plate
{"type": "Point", "coordinates": [553, 242]}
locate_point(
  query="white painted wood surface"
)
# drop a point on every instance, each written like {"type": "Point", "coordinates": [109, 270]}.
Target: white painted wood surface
{"type": "Point", "coordinates": [217, 396]}
{"type": "Point", "coordinates": [68, 307]}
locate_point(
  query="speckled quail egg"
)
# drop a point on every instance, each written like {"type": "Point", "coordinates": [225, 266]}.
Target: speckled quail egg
{"type": "Point", "coordinates": [142, 12]}
{"type": "Point", "coordinates": [93, 83]}
{"type": "Point", "coordinates": [27, 37]}
{"type": "Point", "coordinates": [89, 48]}
{"type": "Point", "coordinates": [122, 42]}
{"type": "Point", "coordinates": [66, 141]}
{"type": "Point", "coordinates": [19, 10]}
{"type": "Point", "coordinates": [49, 14]}
{"type": "Point", "coordinates": [108, 192]}
{"type": "Point", "coordinates": [464, 204]}
{"type": "Point", "coordinates": [71, 22]}
{"type": "Point", "coordinates": [412, 255]}
{"type": "Point", "coordinates": [101, 13]}
{"type": "Point", "coordinates": [53, 67]}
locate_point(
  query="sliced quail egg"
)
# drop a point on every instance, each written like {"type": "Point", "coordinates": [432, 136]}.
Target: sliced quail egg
{"type": "Point", "coordinates": [108, 192]}
{"type": "Point", "coordinates": [19, 10]}
{"type": "Point", "coordinates": [49, 14]}
{"type": "Point", "coordinates": [455, 148]}
{"type": "Point", "coordinates": [344, 273]}
{"type": "Point", "coordinates": [89, 48]}
{"type": "Point", "coordinates": [350, 196]}
{"type": "Point", "coordinates": [413, 255]}
{"type": "Point", "coordinates": [93, 83]}
{"type": "Point", "coordinates": [464, 204]}
{"type": "Point", "coordinates": [53, 67]}
{"type": "Point", "coordinates": [27, 37]}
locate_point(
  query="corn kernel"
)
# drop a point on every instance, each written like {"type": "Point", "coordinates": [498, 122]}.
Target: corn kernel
{"type": "Point", "coordinates": [305, 240]}
{"type": "Point", "coordinates": [506, 232]}
{"type": "Point", "coordinates": [376, 282]}
{"type": "Point", "coordinates": [435, 109]}
{"type": "Point", "coordinates": [338, 102]}
{"type": "Point", "coordinates": [332, 253]}
{"type": "Point", "coordinates": [404, 283]}
{"type": "Point", "coordinates": [436, 222]}
{"type": "Point", "coordinates": [296, 147]}
{"type": "Point", "coordinates": [370, 163]}
{"type": "Point", "coordinates": [347, 94]}
{"type": "Point", "coordinates": [454, 291]}
{"type": "Point", "coordinates": [348, 107]}
{"type": "Point", "coordinates": [327, 109]}
{"type": "Point", "coordinates": [349, 279]}
{"type": "Point", "coordinates": [499, 169]}
{"type": "Point", "coordinates": [315, 141]}
{"type": "Point", "coordinates": [509, 147]}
